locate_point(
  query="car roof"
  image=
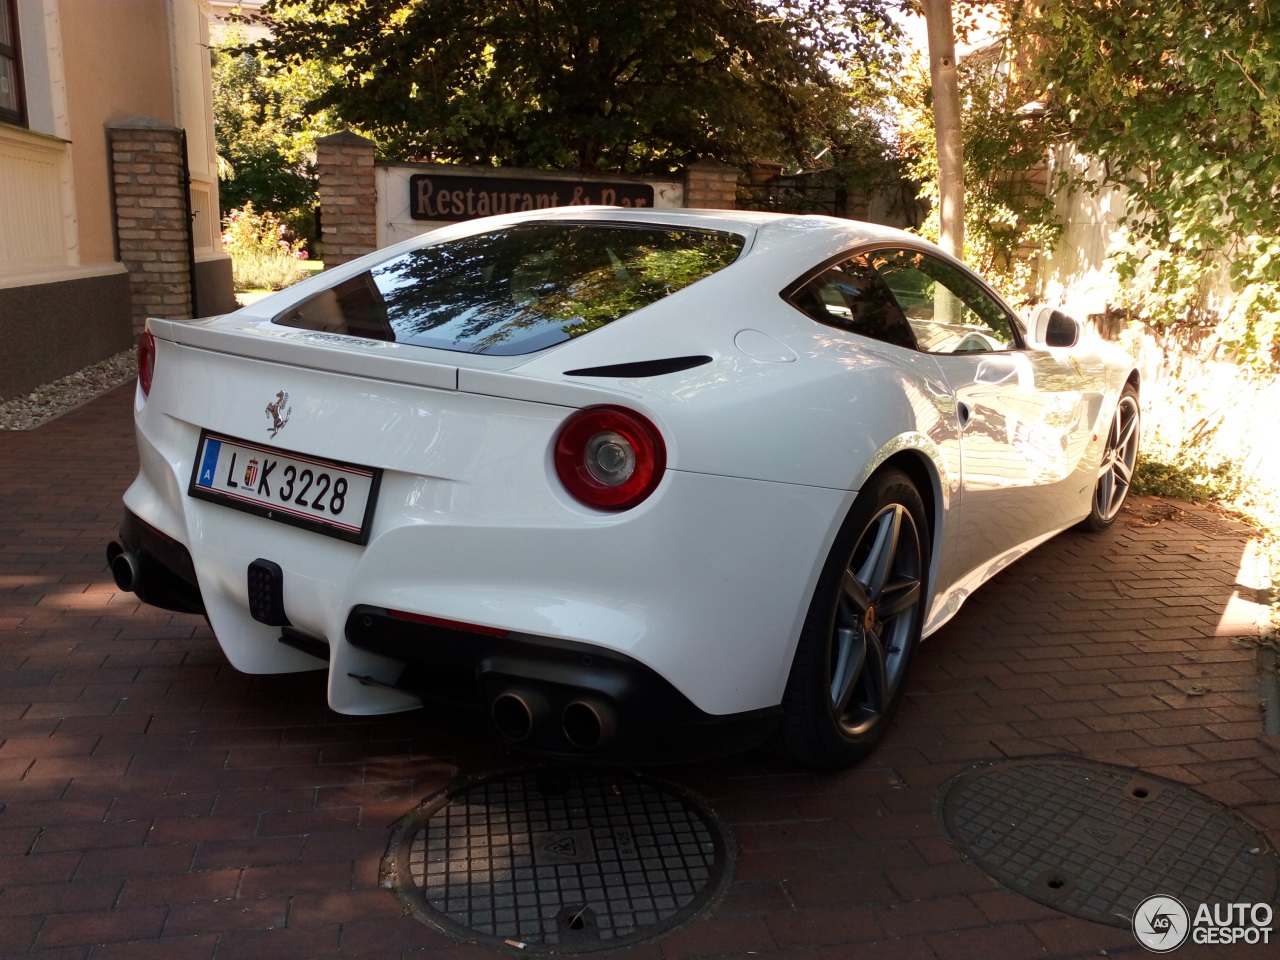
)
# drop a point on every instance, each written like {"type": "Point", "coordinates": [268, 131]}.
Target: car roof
{"type": "Point", "coordinates": [802, 236]}
{"type": "Point", "coordinates": [745, 221]}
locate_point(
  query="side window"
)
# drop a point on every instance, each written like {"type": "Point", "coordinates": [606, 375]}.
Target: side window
{"type": "Point", "coordinates": [11, 105]}
{"type": "Point", "coordinates": [947, 310]}
{"type": "Point", "coordinates": [852, 296]}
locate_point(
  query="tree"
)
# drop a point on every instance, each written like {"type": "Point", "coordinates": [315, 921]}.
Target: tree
{"type": "Point", "coordinates": [1006, 212]}
{"type": "Point", "coordinates": [265, 135]}
{"type": "Point", "coordinates": [946, 124]}
{"type": "Point", "coordinates": [642, 87]}
{"type": "Point", "coordinates": [1181, 104]}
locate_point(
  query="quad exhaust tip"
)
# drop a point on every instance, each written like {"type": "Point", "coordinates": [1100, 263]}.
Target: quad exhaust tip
{"type": "Point", "coordinates": [126, 568]}
{"type": "Point", "coordinates": [517, 713]}
{"type": "Point", "coordinates": [589, 724]}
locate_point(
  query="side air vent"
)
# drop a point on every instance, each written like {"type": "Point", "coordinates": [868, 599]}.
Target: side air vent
{"type": "Point", "coordinates": [641, 368]}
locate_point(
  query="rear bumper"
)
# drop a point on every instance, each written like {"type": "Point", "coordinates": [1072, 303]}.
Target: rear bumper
{"type": "Point", "coordinates": [550, 696]}
{"type": "Point", "coordinates": [555, 697]}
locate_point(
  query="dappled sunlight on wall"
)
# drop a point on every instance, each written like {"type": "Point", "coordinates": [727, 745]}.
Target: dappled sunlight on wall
{"type": "Point", "coordinates": [1197, 403]}
{"type": "Point", "coordinates": [1075, 275]}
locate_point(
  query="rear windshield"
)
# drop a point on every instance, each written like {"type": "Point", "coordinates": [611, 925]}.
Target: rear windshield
{"type": "Point", "coordinates": [519, 289]}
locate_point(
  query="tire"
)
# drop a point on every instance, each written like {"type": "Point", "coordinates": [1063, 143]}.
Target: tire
{"type": "Point", "coordinates": [1118, 460]}
{"type": "Point", "coordinates": [862, 629]}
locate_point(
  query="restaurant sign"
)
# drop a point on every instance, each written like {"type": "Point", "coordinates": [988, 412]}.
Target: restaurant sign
{"type": "Point", "coordinates": [452, 198]}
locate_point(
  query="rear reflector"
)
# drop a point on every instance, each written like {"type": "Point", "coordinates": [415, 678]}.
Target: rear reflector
{"type": "Point", "coordinates": [448, 624]}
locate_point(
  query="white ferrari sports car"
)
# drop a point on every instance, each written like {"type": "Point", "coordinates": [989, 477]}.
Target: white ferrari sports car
{"type": "Point", "coordinates": [646, 484]}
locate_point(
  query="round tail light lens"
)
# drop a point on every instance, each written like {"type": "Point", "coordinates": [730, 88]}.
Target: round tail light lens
{"type": "Point", "coordinates": [146, 361]}
{"type": "Point", "coordinates": [609, 458]}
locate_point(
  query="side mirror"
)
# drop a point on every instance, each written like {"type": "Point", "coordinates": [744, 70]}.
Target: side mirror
{"type": "Point", "coordinates": [1054, 328]}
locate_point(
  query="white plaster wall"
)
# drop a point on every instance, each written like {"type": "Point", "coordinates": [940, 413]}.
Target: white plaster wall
{"type": "Point", "coordinates": [1075, 275]}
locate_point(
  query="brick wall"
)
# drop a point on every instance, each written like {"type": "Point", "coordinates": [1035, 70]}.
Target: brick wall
{"type": "Point", "coordinates": [349, 193]}
{"type": "Point", "coordinates": [711, 184]}
{"type": "Point", "coordinates": [149, 185]}
{"type": "Point", "coordinates": [348, 197]}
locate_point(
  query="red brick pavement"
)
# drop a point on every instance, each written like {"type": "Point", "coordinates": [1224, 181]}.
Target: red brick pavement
{"type": "Point", "coordinates": [156, 803]}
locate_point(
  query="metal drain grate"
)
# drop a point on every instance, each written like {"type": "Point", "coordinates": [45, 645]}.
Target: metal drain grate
{"type": "Point", "coordinates": [1094, 840]}
{"type": "Point", "coordinates": [559, 860]}
{"type": "Point", "coordinates": [1208, 524]}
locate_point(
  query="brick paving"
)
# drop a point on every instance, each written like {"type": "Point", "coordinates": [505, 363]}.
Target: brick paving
{"type": "Point", "coordinates": [156, 803]}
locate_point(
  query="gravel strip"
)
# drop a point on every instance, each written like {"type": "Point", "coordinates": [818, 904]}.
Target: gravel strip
{"type": "Point", "coordinates": [54, 399]}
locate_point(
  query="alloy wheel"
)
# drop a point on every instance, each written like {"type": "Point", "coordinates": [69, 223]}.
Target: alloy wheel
{"type": "Point", "coordinates": [876, 619]}
{"type": "Point", "coordinates": [1118, 460]}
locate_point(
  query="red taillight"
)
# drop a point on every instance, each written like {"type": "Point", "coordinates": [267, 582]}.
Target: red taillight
{"type": "Point", "coordinates": [146, 361]}
{"type": "Point", "coordinates": [609, 458]}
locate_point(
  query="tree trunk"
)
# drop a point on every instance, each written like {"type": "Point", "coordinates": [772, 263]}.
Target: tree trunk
{"type": "Point", "coordinates": [946, 124]}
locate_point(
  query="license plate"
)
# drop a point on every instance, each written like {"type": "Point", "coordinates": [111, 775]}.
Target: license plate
{"type": "Point", "coordinates": [327, 496]}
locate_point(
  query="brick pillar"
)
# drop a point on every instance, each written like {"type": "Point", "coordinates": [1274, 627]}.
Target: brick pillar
{"type": "Point", "coordinates": [148, 177]}
{"type": "Point", "coordinates": [711, 184]}
{"type": "Point", "coordinates": [348, 197]}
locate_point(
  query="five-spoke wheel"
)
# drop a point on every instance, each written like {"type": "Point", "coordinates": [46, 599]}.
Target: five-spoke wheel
{"type": "Point", "coordinates": [862, 629]}
{"type": "Point", "coordinates": [1119, 457]}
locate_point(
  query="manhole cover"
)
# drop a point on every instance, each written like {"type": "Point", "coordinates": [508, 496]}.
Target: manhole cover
{"type": "Point", "coordinates": [559, 860]}
{"type": "Point", "coordinates": [1094, 840]}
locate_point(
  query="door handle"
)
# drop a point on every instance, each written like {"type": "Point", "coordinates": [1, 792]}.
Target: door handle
{"type": "Point", "coordinates": [964, 413]}
{"type": "Point", "coordinates": [995, 371]}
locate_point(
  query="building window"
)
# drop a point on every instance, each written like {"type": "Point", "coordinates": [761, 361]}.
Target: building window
{"type": "Point", "coordinates": [11, 103]}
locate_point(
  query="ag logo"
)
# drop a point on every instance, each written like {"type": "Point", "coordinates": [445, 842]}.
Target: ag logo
{"type": "Point", "coordinates": [1161, 924]}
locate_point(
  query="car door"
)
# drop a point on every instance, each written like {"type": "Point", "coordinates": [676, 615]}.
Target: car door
{"type": "Point", "coordinates": [1022, 418]}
